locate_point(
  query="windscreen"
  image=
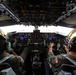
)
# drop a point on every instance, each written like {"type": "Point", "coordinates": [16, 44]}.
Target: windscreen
{"type": "Point", "coordinates": [43, 29]}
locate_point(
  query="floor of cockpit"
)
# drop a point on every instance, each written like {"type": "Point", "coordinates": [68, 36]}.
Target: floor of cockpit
{"type": "Point", "coordinates": [36, 71]}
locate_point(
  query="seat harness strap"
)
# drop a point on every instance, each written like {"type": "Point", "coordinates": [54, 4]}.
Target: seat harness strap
{"type": "Point", "coordinates": [5, 58]}
{"type": "Point", "coordinates": [71, 60]}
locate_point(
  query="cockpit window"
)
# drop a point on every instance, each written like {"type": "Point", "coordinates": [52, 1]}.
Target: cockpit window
{"type": "Point", "coordinates": [22, 28]}
{"type": "Point", "coordinates": [57, 29]}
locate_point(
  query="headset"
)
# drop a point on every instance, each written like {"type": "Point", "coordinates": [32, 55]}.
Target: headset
{"type": "Point", "coordinates": [72, 44]}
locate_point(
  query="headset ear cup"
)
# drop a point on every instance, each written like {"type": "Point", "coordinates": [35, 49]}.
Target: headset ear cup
{"type": "Point", "coordinates": [70, 46]}
{"type": "Point", "coordinates": [7, 45]}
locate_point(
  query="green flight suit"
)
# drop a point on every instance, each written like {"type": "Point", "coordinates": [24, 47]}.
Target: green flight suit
{"type": "Point", "coordinates": [60, 60]}
{"type": "Point", "coordinates": [14, 62]}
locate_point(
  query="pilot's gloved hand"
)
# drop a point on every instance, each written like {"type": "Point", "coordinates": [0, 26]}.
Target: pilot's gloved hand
{"type": "Point", "coordinates": [22, 61]}
{"type": "Point", "coordinates": [51, 47]}
{"type": "Point", "coordinates": [66, 48]}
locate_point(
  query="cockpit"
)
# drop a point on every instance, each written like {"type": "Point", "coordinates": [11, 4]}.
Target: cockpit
{"type": "Point", "coordinates": [33, 46]}
{"type": "Point", "coordinates": [30, 25]}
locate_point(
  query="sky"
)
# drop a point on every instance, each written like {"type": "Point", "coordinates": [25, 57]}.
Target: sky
{"type": "Point", "coordinates": [23, 28]}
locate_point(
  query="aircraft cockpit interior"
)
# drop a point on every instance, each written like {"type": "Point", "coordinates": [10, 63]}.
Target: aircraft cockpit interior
{"type": "Point", "coordinates": [33, 47]}
{"type": "Point", "coordinates": [36, 40]}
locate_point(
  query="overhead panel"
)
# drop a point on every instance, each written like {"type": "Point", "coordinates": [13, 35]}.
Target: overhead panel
{"type": "Point", "coordinates": [38, 12]}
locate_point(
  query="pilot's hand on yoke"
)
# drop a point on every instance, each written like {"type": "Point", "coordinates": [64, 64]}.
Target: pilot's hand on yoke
{"type": "Point", "coordinates": [21, 59]}
{"type": "Point", "coordinates": [66, 48]}
{"type": "Point", "coordinates": [51, 46]}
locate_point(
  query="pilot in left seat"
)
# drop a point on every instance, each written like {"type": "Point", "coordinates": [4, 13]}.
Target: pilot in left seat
{"type": "Point", "coordinates": [14, 60]}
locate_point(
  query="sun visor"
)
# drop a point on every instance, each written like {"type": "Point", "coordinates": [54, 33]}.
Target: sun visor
{"type": "Point", "coordinates": [71, 19]}
{"type": "Point", "coordinates": [6, 20]}
{"type": "Point", "coordinates": [68, 22]}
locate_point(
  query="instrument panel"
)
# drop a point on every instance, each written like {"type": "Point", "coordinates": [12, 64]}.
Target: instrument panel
{"type": "Point", "coordinates": [24, 39]}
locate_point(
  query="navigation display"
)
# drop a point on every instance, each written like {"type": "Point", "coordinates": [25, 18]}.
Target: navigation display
{"type": "Point", "coordinates": [21, 37]}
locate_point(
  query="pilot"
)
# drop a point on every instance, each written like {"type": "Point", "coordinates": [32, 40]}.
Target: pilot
{"type": "Point", "coordinates": [14, 60]}
{"type": "Point", "coordinates": [58, 60]}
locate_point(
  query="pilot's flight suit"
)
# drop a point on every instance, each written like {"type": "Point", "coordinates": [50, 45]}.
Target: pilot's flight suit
{"type": "Point", "coordinates": [57, 61]}
{"type": "Point", "coordinates": [14, 62]}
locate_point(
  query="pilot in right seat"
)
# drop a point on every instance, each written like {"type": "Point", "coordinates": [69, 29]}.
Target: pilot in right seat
{"type": "Point", "coordinates": [14, 61]}
{"type": "Point", "coordinates": [57, 61]}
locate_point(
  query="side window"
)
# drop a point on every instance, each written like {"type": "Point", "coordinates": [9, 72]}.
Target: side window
{"type": "Point", "coordinates": [73, 35]}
